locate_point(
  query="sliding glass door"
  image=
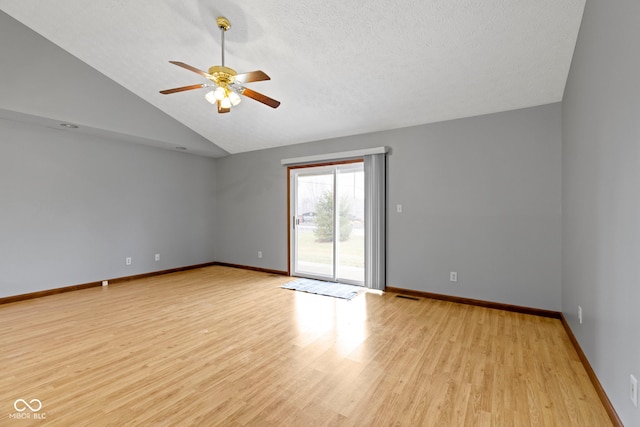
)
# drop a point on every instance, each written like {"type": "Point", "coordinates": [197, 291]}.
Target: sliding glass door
{"type": "Point", "coordinates": [327, 212]}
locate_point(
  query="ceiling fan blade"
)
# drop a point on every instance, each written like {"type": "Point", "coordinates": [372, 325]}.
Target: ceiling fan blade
{"type": "Point", "coordinates": [222, 110]}
{"type": "Point", "coordinates": [183, 88]}
{"type": "Point", "coordinates": [251, 76]}
{"type": "Point", "coordinates": [190, 68]}
{"type": "Point", "coordinates": [259, 97]}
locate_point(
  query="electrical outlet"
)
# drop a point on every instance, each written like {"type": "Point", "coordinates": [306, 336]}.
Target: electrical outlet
{"type": "Point", "coordinates": [157, 257]}
{"type": "Point", "coordinates": [453, 276]}
{"type": "Point", "coordinates": [127, 261]}
{"type": "Point", "coordinates": [259, 254]}
{"type": "Point", "coordinates": [580, 314]}
{"type": "Point", "coordinates": [633, 390]}
{"type": "Point", "coordinates": [399, 208]}
{"type": "Point", "coordinates": [105, 283]}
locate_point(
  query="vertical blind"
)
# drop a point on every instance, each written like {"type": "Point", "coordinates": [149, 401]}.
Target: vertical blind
{"type": "Point", "coordinates": [375, 220]}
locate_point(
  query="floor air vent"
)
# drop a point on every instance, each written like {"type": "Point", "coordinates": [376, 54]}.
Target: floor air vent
{"type": "Point", "coordinates": [408, 297]}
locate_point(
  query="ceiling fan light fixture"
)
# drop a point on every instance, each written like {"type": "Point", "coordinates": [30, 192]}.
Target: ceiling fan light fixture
{"type": "Point", "coordinates": [211, 97]}
{"type": "Point", "coordinates": [225, 102]}
{"type": "Point", "coordinates": [220, 93]}
{"type": "Point", "coordinates": [234, 98]}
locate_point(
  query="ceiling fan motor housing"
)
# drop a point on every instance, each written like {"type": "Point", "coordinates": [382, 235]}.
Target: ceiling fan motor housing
{"type": "Point", "coordinates": [223, 76]}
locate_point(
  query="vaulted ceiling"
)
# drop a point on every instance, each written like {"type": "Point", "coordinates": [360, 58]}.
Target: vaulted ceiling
{"type": "Point", "coordinates": [338, 67]}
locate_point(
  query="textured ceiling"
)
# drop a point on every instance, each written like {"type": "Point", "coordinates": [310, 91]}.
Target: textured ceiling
{"type": "Point", "coordinates": [338, 67]}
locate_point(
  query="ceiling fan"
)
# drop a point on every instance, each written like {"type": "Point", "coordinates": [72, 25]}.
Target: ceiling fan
{"type": "Point", "coordinates": [227, 84]}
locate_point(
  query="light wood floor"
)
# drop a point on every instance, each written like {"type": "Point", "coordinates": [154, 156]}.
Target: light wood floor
{"type": "Point", "coordinates": [223, 346]}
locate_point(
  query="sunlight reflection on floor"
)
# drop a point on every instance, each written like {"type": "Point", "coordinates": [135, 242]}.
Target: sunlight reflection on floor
{"type": "Point", "coordinates": [331, 319]}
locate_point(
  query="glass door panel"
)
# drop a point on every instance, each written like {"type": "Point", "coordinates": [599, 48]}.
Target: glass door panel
{"type": "Point", "coordinates": [350, 202]}
{"type": "Point", "coordinates": [328, 222]}
{"type": "Point", "coordinates": [314, 224]}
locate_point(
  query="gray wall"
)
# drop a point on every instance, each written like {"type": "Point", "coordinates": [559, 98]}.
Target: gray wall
{"type": "Point", "coordinates": [601, 196]}
{"type": "Point", "coordinates": [481, 196]}
{"type": "Point", "coordinates": [73, 206]}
